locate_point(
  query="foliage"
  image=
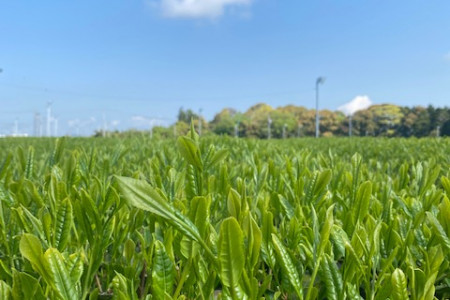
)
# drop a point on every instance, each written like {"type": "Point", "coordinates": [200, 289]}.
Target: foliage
{"type": "Point", "coordinates": [296, 121]}
{"type": "Point", "coordinates": [224, 218]}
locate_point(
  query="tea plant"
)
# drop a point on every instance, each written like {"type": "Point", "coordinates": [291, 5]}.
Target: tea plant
{"type": "Point", "coordinates": [224, 218]}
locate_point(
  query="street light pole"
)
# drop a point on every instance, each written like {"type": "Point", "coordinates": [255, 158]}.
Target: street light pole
{"type": "Point", "coordinates": [319, 80]}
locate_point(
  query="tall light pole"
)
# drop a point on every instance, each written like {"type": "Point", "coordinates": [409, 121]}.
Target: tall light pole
{"type": "Point", "coordinates": [319, 81]}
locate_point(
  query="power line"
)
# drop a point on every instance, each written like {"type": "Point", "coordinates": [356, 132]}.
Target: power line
{"type": "Point", "coordinates": [135, 98]}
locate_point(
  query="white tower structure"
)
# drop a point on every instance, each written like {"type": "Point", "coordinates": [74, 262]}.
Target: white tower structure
{"type": "Point", "coordinates": [49, 118]}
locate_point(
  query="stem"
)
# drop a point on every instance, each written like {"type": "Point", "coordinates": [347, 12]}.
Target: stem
{"type": "Point", "coordinates": [313, 278]}
{"type": "Point", "coordinates": [143, 280]}
{"type": "Point", "coordinates": [209, 253]}
{"type": "Point", "coordinates": [99, 284]}
{"type": "Point", "coordinates": [183, 277]}
{"type": "Point", "coordinates": [88, 278]}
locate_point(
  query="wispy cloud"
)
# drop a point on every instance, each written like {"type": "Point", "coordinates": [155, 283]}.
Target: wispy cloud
{"type": "Point", "coordinates": [145, 121]}
{"type": "Point", "coordinates": [358, 103]}
{"type": "Point", "coordinates": [196, 9]}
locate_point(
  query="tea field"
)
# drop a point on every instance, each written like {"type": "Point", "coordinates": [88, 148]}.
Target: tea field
{"type": "Point", "coordinates": [224, 218]}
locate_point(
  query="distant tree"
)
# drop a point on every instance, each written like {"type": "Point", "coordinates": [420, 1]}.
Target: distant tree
{"type": "Point", "coordinates": [387, 117]}
{"type": "Point", "coordinates": [181, 128]}
{"type": "Point", "coordinates": [377, 120]}
{"type": "Point", "coordinates": [301, 120]}
{"type": "Point", "coordinates": [445, 129]}
{"type": "Point", "coordinates": [422, 125]}
{"type": "Point", "coordinates": [363, 123]}
{"type": "Point", "coordinates": [224, 122]}
{"type": "Point", "coordinates": [280, 119]}
{"type": "Point", "coordinates": [406, 128]}
{"type": "Point", "coordinates": [186, 116]}
{"type": "Point", "coordinates": [330, 122]}
{"type": "Point", "coordinates": [162, 132]}
{"type": "Point", "coordinates": [256, 119]}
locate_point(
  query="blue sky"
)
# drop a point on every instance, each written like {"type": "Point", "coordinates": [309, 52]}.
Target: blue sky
{"type": "Point", "coordinates": [130, 61]}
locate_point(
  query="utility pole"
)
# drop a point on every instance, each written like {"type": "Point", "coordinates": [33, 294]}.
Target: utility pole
{"type": "Point", "coordinates": [269, 122]}
{"type": "Point", "coordinates": [284, 130]}
{"type": "Point", "coordinates": [320, 80]}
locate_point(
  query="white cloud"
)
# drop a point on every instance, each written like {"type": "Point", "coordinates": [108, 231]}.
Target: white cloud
{"type": "Point", "coordinates": [144, 121]}
{"type": "Point", "coordinates": [198, 8]}
{"type": "Point", "coordinates": [358, 103]}
{"type": "Point", "coordinates": [139, 119]}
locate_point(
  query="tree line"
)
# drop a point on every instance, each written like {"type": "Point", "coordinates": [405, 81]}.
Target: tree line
{"type": "Point", "coordinates": [262, 120]}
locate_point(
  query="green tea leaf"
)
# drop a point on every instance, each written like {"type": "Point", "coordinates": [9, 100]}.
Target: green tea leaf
{"type": "Point", "coordinates": [31, 249]}
{"type": "Point", "coordinates": [230, 249]}
{"type": "Point", "coordinates": [288, 266]}
{"type": "Point", "coordinates": [399, 289]}
{"type": "Point", "coordinates": [163, 273]}
{"type": "Point", "coordinates": [63, 225]}
{"type": "Point", "coordinates": [5, 290]}
{"type": "Point", "coordinates": [61, 282]}
{"type": "Point", "coordinates": [190, 151]}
